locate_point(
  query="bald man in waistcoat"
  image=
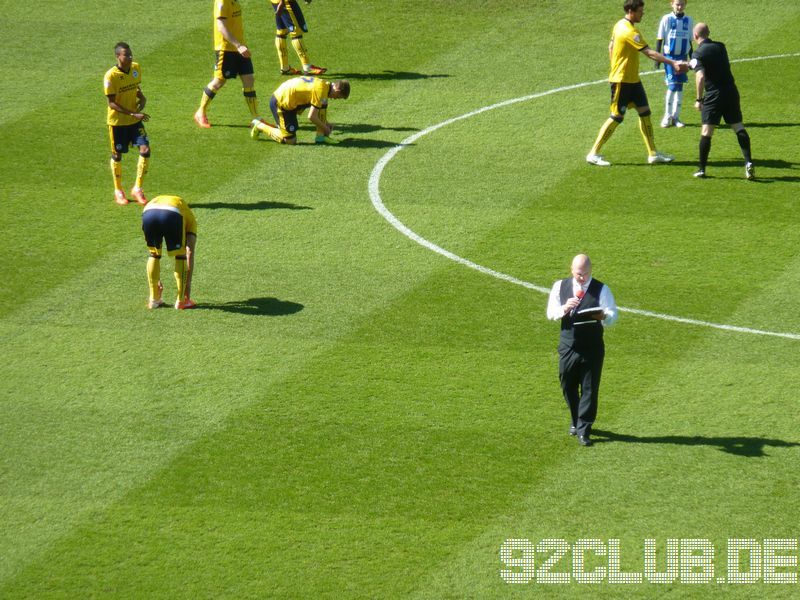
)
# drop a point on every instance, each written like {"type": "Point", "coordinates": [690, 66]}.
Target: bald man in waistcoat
{"type": "Point", "coordinates": [585, 306]}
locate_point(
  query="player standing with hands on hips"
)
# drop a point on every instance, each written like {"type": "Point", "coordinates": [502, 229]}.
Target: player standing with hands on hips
{"type": "Point", "coordinates": [717, 98]}
{"type": "Point", "coordinates": [674, 39]}
{"type": "Point", "coordinates": [585, 307]}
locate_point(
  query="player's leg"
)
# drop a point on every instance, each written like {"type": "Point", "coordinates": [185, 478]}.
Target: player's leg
{"type": "Point", "coordinates": [142, 166]}
{"type": "Point", "coordinates": [676, 85]}
{"type": "Point", "coordinates": [286, 130]}
{"type": "Point", "coordinates": [669, 97]}
{"type": "Point", "coordinates": [668, 101]}
{"type": "Point", "coordinates": [607, 129]}
{"type": "Point", "coordinates": [646, 129]}
{"type": "Point", "coordinates": [118, 146]}
{"type": "Point", "coordinates": [677, 103]}
{"type": "Point", "coordinates": [283, 53]}
{"type": "Point", "coordinates": [154, 280]}
{"type": "Point", "coordinates": [175, 236]}
{"type": "Point", "coordinates": [639, 99]}
{"type": "Point", "coordinates": [249, 91]}
{"type": "Point", "coordinates": [211, 90]}
{"type": "Point", "coordinates": [151, 227]}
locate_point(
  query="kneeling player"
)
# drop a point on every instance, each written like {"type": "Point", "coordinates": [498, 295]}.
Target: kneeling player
{"type": "Point", "coordinates": [291, 98]}
{"type": "Point", "coordinates": [169, 218]}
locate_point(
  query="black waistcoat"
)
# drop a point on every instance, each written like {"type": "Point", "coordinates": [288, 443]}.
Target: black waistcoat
{"type": "Point", "coordinates": [576, 332]}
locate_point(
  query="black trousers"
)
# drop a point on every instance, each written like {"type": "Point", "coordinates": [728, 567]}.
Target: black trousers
{"type": "Point", "coordinates": [579, 372]}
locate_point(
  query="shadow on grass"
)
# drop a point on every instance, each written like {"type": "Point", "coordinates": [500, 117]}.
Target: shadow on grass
{"type": "Point", "coordinates": [363, 143]}
{"type": "Point", "coordinates": [271, 307]}
{"type": "Point", "coordinates": [261, 205]}
{"type": "Point", "coordinates": [387, 76]}
{"type": "Point", "coordinates": [748, 125]}
{"type": "Point", "coordinates": [369, 128]}
{"type": "Point", "coordinates": [740, 446]}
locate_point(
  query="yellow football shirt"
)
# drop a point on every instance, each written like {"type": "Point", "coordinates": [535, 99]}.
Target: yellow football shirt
{"type": "Point", "coordinates": [301, 92]}
{"type": "Point", "coordinates": [231, 12]}
{"type": "Point", "coordinates": [125, 87]}
{"type": "Point", "coordinates": [626, 42]}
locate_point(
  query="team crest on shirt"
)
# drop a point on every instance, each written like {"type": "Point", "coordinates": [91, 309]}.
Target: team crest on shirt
{"type": "Point", "coordinates": [637, 38]}
{"type": "Point", "coordinates": [135, 73]}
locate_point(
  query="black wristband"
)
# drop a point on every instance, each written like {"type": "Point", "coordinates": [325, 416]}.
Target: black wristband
{"type": "Point", "coordinates": [700, 100]}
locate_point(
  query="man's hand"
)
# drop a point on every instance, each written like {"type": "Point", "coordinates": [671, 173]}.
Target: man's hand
{"type": "Point", "coordinates": [681, 66]}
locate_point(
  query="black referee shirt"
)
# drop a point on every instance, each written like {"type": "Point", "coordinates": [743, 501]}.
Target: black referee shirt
{"type": "Point", "coordinates": [712, 59]}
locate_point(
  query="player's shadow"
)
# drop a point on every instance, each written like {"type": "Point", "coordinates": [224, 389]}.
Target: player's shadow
{"type": "Point", "coordinates": [388, 75]}
{"type": "Point", "coordinates": [368, 128]}
{"type": "Point", "coordinates": [364, 143]}
{"type": "Point", "coordinates": [749, 125]}
{"type": "Point", "coordinates": [269, 307]}
{"type": "Point", "coordinates": [260, 205]}
{"type": "Point", "coordinates": [740, 446]}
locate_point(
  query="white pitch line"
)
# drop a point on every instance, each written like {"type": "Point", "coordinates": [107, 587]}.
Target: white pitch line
{"type": "Point", "coordinates": [377, 202]}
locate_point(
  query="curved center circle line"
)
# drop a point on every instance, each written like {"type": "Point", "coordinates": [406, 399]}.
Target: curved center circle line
{"type": "Point", "coordinates": [380, 207]}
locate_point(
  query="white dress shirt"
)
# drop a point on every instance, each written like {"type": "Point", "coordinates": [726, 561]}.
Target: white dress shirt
{"type": "Point", "coordinates": [555, 310]}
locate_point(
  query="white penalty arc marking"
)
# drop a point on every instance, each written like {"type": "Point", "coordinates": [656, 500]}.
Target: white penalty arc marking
{"type": "Point", "coordinates": [377, 202]}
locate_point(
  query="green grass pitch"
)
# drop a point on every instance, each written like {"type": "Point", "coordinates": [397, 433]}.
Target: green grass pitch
{"type": "Point", "coordinates": [348, 414]}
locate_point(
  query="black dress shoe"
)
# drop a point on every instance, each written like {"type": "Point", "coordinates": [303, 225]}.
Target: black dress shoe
{"type": "Point", "coordinates": [573, 430]}
{"type": "Point", "coordinates": [584, 440]}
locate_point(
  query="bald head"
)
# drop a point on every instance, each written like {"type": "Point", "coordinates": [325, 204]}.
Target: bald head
{"type": "Point", "coordinates": [701, 31]}
{"type": "Point", "coordinates": [581, 268]}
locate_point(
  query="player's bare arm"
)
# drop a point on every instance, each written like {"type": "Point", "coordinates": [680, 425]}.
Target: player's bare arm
{"type": "Point", "coordinates": [112, 103]}
{"type": "Point", "coordinates": [223, 29]}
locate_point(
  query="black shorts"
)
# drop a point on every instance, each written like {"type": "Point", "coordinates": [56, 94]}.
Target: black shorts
{"type": "Point", "coordinates": [161, 225]}
{"type": "Point", "coordinates": [286, 119]}
{"type": "Point", "coordinates": [721, 104]}
{"type": "Point", "coordinates": [231, 64]}
{"type": "Point", "coordinates": [291, 18]}
{"type": "Point", "coordinates": [624, 95]}
{"type": "Point", "coordinates": [124, 136]}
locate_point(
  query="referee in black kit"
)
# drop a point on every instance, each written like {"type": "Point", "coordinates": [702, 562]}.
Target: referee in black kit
{"type": "Point", "coordinates": [717, 97]}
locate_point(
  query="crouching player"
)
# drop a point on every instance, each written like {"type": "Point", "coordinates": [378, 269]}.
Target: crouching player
{"type": "Point", "coordinates": [169, 218]}
{"type": "Point", "coordinates": [291, 98]}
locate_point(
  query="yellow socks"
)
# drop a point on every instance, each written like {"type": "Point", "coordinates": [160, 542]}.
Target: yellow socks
{"type": "Point", "coordinates": [300, 48]}
{"type": "Point", "coordinates": [646, 127]}
{"type": "Point", "coordinates": [205, 100]}
{"type": "Point", "coordinates": [269, 130]}
{"type": "Point", "coordinates": [181, 271]}
{"type": "Point", "coordinates": [252, 101]}
{"type": "Point", "coordinates": [153, 276]}
{"type": "Point", "coordinates": [116, 172]}
{"type": "Point", "coordinates": [283, 55]}
{"type": "Point", "coordinates": [605, 133]}
{"type": "Point", "coordinates": [141, 169]}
